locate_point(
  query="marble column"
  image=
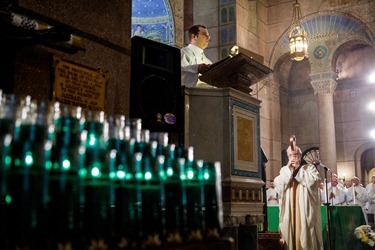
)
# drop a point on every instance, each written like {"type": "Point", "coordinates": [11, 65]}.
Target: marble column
{"type": "Point", "coordinates": [324, 86]}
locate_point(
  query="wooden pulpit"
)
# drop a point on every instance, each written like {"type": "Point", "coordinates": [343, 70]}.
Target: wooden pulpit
{"type": "Point", "coordinates": [223, 124]}
{"type": "Point", "coordinates": [237, 72]}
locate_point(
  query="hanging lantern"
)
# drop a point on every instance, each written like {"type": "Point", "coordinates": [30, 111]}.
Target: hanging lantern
{"type": "Point", "coordinates": [297, 36]}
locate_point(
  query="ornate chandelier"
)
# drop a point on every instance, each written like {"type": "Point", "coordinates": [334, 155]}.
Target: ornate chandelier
{"type": "Point", "coordinates": [297, 36]}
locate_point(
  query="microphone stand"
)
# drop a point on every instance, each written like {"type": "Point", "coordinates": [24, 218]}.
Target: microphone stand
{"type": "Point", "coordinates": [326, 204]}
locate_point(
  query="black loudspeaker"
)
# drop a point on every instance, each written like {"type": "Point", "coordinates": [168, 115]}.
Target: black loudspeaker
{"type": "Point", "coordinates": [155, 92]}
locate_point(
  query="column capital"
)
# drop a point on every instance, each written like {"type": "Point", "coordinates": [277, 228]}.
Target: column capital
{"type": "Point", "coordinates": [324, 83]}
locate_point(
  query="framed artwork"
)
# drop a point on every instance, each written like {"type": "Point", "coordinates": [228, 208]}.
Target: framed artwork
{"type": "Point", "coordinates": [245, 139]}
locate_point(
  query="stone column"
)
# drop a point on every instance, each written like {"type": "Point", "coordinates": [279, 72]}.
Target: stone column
{"type": "Point", "coordinates": [268, 91]}
{"type": "Point", "coordinates": [324, 85]}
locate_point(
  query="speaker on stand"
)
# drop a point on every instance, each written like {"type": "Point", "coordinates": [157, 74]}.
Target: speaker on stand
{"type": "Point", "coordinates": [156, 95]}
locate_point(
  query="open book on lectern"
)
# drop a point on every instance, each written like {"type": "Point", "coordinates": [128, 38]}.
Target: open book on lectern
{"type": "Point", "coordinates": [216, 64]}
{"type": "Point", "coordinates": [219, 71]}
{"type": "Point", "coordinates": [238, 71]}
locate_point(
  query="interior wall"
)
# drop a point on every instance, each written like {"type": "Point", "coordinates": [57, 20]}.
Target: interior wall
{"type": "Point", "coordinates": [297, 100]}
{"type": "Point", "coordinates": [104, 27]}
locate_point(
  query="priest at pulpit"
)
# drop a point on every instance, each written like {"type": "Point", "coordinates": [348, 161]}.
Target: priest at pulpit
{"type": "Point", "coordinates": [299, 199]}
{"type": "Point", "coordinates": [193, 60]}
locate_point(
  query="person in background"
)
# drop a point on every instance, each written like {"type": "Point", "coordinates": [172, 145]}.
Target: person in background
{"type": "Point", "coordinates": [371, 184]}
{"type": "Point", "coordinates": [299, 200]}
{"type": "Point", "coordinates": [139, 31]}
{"type": "Point", "coordinates": [357, 195]}
{"type": "Point", "coordinates": [272, 196]}
{"type": "Point", "coordinates": [336, 194]}
{"type": "Point", "coordinates": [193, 60]}
{"type": "Point", "coordinates": [370, 201]}
{"type": "Point", "coordinates": [340, 182]}
{"type": "Point", "coordinates": [322, 193]}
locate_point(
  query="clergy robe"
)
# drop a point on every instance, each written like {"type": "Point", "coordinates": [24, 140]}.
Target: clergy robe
{"type": "Point", "coordinates": [340, 196]}
{"type": "Point", "coordinates": [301, 227]}
{"type": "Point", "coordinates": [272, 192]}
{"type": "Point", "coordinates": [360, 199]}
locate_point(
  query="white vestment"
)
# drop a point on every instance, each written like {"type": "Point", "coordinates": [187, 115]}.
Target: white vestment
{"type": "Point", "coordinates": [191, 57]}
{"type": "Point", "coordinates": [272, 192]}
{"type": "Point", "coordinates": [370, 204]}
{"type": "Point", "coordinates": [340, 196]}
{"type": "Point", "coordinates": [371, 201]}
{"type": "Point", "coordinates": [300, 227]}
{"type": "Point", "coordinates": [360, 199]}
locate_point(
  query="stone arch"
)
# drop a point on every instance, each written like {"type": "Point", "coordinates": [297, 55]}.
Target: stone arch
{"type": "Point", "coordinates": [345, 47]}
{"type": "Point", "coordinates": [283, 73]}
{"type": "Point", "coordinates": [331, 27]}
{"type": "Point", "coordinates": [357, 159]}
{"type": "Point", "coordinates": [278, 68]}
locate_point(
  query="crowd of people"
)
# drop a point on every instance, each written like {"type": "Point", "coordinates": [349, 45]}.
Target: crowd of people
{"type": "Point", "coordinates": [338, 194]}
{"type": "Point", "coordinates": [299, 191]}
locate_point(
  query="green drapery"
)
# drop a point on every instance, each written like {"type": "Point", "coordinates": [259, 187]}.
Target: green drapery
{"type": "Point", "coordinates": [344, 220]}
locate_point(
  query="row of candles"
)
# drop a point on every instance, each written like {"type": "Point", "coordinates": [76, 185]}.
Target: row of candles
{"type": "Point", "coordinates": [75, 179]}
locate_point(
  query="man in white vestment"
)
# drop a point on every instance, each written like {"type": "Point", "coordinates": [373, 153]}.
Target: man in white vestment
{"type": "Point", "coordinates": [322, 191]}
{"type": "Point", "coordinates": [371, 198]}
{"type": "Point", "coordinates": [371, 202]}
{"type": "Point", "coordinates": [340, 182]}
{"type": "Point", "coordinates": [336, 194]}
{"type": "Point", "coordinates": [193, 60]}
{"type": "Point", "coordinates": [272, 196]}
{"type": "Point", "coordinates": [299, 199]}
{"type": "Point", "coordinates": [371, 184]}
{"type": "Point", "coordinates": [357, 195]}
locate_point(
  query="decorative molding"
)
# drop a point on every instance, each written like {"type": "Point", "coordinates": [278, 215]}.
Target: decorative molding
{"type": "Point", "coordinates": [324, 86]}
{"type": "Point", "coordinates": [320, 52]}
{"type": "Point", "coordinates": [242, 194]}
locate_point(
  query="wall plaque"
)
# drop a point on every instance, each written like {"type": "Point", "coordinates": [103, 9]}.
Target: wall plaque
{"type": "Point", "coordinates": [245, 139]}
{"type": "Point", "coordinates": [78, 85]}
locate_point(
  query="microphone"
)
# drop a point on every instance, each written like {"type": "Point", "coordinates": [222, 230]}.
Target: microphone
{"type": "Point", "coordinates": [325, 167]}
{"type": "Point", "coordinates": [317, 163]}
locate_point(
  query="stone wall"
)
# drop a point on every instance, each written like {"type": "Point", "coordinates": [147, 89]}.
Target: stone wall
{"type": "Point", "coordinates": [104, 27]}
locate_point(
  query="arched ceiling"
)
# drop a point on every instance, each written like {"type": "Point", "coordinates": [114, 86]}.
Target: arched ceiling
{"type": "Point", "coordinates": [154, 19]}
{"type": "Point", "coordinates": [349, 48]}
{"type": "Point", "coordinates": [355, 62]}
{"type": "Point", "coordinates": [148, 9]}
{"type": "Point", "coordinates": [330, 28]}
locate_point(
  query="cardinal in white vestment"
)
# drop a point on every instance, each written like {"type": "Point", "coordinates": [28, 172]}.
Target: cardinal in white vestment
{"type": "Point", "coordinates": [299, 199]}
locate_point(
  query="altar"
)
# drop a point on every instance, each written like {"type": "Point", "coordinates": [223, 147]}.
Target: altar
{"type": "Point", "coordinates": [344, 220]}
